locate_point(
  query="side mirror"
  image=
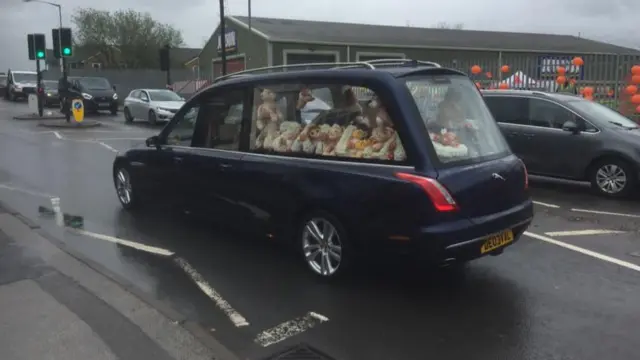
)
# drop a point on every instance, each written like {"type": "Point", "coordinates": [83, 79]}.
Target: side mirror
{"type": "Point", "coordinates": [153, 141]}
{"type": "Point", "coordinates": [571, 127]}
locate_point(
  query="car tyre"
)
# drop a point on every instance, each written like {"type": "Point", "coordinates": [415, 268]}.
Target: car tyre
{"type": "Point", "coordinates": [124, 188]}
{"type": "Point", "coordinates": [324, 246]}
{"type": "Point", "coordinates": [127, 115]}
{"type": "Point", "coordinates": [613, 177]}
{"type": "Point", "coordinates": [152, 118]}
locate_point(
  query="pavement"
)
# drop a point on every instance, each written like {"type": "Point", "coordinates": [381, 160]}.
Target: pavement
{"type": "Point", "coordinates": [568, 290]}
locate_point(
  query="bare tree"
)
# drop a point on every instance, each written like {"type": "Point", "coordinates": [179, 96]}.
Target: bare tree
{"type": "Point", "coordinates": [446, 25]}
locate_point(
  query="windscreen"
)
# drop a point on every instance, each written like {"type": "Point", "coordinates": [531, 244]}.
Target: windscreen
{"type": "Point", "coordinates": [50, 84]}
{"type": "Point", "coordinates": [459, 124]}
{"type": "Point", "coordinates": [601, 113]}
{"type": "Point", "coordinates": [164, 95]}
{"type": "Point", "coordinates": [25, 77]}
{"type": "Point", "coordinates": [95, 83]}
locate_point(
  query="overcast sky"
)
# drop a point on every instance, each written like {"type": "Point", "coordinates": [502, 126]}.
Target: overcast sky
{"type": "Point", "coordinates": [610, 20]}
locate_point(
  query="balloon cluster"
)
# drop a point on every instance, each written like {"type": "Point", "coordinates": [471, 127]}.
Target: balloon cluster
{"type": "Point", "coordinates": [476, 70]}
{"type": "Point", "coordinates": [562, 71]}
{"type": "Point", "coordinates": [632, 89]}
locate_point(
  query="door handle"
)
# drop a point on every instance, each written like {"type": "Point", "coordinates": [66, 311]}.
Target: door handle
{"type": "Point", "coordinates": [225, 166]}
{"type": "Point", "coordinates": [178, 159]}
{"type": "Point", "coordinates": [512, 134]}
{"type": "Point", "coordinates": [529, 135]}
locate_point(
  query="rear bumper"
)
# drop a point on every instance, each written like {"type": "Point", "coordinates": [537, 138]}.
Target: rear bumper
{"type": "Point", "coordinates": [461, 240]}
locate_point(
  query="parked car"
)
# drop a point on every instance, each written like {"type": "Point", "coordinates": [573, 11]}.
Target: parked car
{"type": "Point", "coordinates": [97, 94]}
{"type": "Point", "coordinates": [3, 85]}
{"type": "Point", "coordinates": [566, 136]}
{"type": "Point", "coordinates": [152, 105]}
{"type": "Point", "coordinates": [20, 84]}
{"type": "Point", "coordinates": [347, 183]}
{"type": "Point", "coordinates": [51, 98]}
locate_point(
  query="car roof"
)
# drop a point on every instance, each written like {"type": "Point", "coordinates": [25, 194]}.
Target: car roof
{"type": "Point", "coordinates": [533, 93]}
{"type": "Point", "coordinates": [24, 72]}
{"type": "Point", "coordinates": [383, 67]}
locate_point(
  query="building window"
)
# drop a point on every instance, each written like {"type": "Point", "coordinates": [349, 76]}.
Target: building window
{"type": "Point", "coordinates": [309, 58]}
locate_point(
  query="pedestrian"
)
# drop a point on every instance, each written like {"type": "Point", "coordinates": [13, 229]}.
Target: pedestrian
{"type": "Point", "coordinates": [567, 87]}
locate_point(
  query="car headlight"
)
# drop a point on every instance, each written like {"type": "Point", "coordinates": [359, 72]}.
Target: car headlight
{"type": "Point", "coordinates": [49, 94]}
{"type": "Point", "coordinates": [164, 109]}
{"type": "Point", "coordinates": [18, 87]}
{"type": "Point", "coordinates": [87, 96]}
{"type": "Point", "coordinates": [115, 96]}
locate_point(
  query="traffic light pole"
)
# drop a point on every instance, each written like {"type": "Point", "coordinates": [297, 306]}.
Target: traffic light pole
{"type": "Point", "coordinates": [39, 89]}
{"type": "Point", "coordinates": [223, 40]}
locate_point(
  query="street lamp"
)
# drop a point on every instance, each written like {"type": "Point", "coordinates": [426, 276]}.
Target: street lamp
{"type": "Point", "coordinates": [59, 27]}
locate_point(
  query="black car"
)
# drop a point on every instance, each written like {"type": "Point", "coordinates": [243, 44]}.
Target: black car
{"type": "Point", "coordinates": [567, 136]}
{"type": "Point", "coordinates": [3, 85]}
{"type": "Point", "coordinates": [361, 177]}
{"type": "Point", "coordinates": [97, 94]}
{"type": "Point", "coordinates": [51, 98]}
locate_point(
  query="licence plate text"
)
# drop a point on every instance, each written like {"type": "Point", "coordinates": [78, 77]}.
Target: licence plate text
{"type": "Point", "coordinates": [496, 241]}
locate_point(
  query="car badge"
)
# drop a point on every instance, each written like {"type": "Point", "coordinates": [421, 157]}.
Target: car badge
{"type": "Point", "coordinates": [498, 176]}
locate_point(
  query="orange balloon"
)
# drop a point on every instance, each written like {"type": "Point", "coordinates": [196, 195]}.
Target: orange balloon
{"type": "Point", "coordinates": [588, 91]}
{"type": "Point", "coordinates": [635, 99]}
{"type": "Point", "coordinates": [635, 69]}
{"type": "Point", "coordinates": [589, 97]}
{"type": "Point", "coordinates": [504, 86]}
{"type": "Point", "coordinates": [577, 61]}
{"type": "Point", "coordinates": [504, 68]}
{"type": "Point", "coordinates": [561, 70]}
{"type": "Point", "coordinates": [631, 89]}
{"type": "Point", "coordinates": [635, 79]}
{"type": "Point", "coordinates": [561, 79]}
{"type": "Point", "coordinates": [478, 85]}
{"type": "Point", "coordinates": [488, 75]}
{"type": "Point", "coordinates": [572, 81]}
{"type": "Point", "coordinates": [638, 109]}
{"type": "Point", "coordinates": [475, 69]}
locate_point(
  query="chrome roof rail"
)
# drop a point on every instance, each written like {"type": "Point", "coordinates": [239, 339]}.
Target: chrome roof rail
{"type": "Point", "coordinates": [371, 65]}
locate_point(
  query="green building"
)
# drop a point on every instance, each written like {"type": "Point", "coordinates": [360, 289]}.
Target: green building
{"type": "Point", "coordinates": [267, 42]}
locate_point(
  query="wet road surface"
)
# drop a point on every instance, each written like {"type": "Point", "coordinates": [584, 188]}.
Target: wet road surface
{"type": "Point", "coordinates": [570, 290]}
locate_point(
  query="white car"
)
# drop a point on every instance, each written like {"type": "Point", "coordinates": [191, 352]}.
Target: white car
{"type": "Point", "coordinates": [152, 105]}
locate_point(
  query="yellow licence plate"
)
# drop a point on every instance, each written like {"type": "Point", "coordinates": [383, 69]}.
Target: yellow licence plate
{"type": "Point", "coordinates": [496, 241]}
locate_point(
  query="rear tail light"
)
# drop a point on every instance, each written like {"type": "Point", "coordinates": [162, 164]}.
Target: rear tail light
{"type": "Point", "coordinates": [440, 197]}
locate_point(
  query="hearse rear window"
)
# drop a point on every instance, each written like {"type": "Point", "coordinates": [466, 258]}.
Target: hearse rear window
{"type": "Point", "coordinates": [460, 126]}
{"type": "Point", "coordinates": [331, 121]}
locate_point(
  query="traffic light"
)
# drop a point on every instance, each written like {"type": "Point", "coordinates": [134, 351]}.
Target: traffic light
{"type": "Point", "coordinates": [40, 46]}
{"type": "Point", "coordinates": [164, 59]}
{"type": "Point", "coordinates": [31, 46]}
{"type": "Point", "coordinates": [66, 42]}
{"type": "Point", "coordinates": [55, 36]}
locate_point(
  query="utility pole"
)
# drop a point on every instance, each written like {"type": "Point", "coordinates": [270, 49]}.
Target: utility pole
{"type": "Point", "coordinates": [223, 40]}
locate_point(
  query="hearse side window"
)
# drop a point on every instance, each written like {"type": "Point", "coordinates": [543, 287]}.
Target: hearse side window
{"type": "Point", "coordinates": [223, 116]}
{"type": "Point", "coordinates": [321, 120]}
{"type": "Point", "coordinates": [181, 134]}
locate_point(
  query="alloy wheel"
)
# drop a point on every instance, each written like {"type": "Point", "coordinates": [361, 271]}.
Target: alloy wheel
{"type": "Point", "coordinates": [322, 247]}
{"type": "Point", "coordinates": [123, 187]}
{"type": "Point", "coordinates": [611, 179]}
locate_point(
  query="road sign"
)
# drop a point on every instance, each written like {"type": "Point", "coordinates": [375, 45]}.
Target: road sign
{"type": "Point", "coordinates": [77, 108]}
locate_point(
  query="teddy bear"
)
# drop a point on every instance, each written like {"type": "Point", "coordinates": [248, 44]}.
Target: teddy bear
{"type": "Point", "coordinates": [288, 133]}
{"type": "Point", "coordinates": [268, 111]}
{"type": "Point", "coordinates": [267, 136]}
{"type": "Point", "coordinates": [309, 139]}
{"type": "Point", "coordinates": [333, 136]}
{"type": "Point", "coordinates": [322, 139]}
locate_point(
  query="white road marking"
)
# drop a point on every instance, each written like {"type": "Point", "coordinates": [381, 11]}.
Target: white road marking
{"type": "Point", "coordinates": [55, 205]}
{"type": "Point", "coordinates": [121, 139]}
{"type": "Point", "coordinates": [235, 317]}
{"type": "Point", "coordinates": [131, 244]}
{"type": "Point", "coordinates": [57, 134]}
{"type": "Point", "coordinates": [583, 232]}
{"type": "Point", "coordinates": [546, 204]}
{"type": "Point", "coordinates": [24, 191]}
{"type": "Point", "coordinates": [584, 251]}
{"type": "Point", "coordinates": [108, 146]}
{"type": "Point", "coordinates": [289, 329]}
{"type": "Point", "coordinates": [605, 213]}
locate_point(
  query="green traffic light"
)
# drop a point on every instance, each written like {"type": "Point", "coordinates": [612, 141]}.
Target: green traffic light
{"type": "Point", "coordinates": [66, 51]}
{"type": "Point", "coordinates": [40, 54]}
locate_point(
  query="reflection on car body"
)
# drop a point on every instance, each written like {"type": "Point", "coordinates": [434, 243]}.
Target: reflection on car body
{"type": "Point", "coordinates": [366, 175]}
{"type": "Point", "coordinates": [569, 137]}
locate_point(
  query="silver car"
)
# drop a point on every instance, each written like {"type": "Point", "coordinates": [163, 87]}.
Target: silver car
{"type": "Point", "coordinates": [152, 105]}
